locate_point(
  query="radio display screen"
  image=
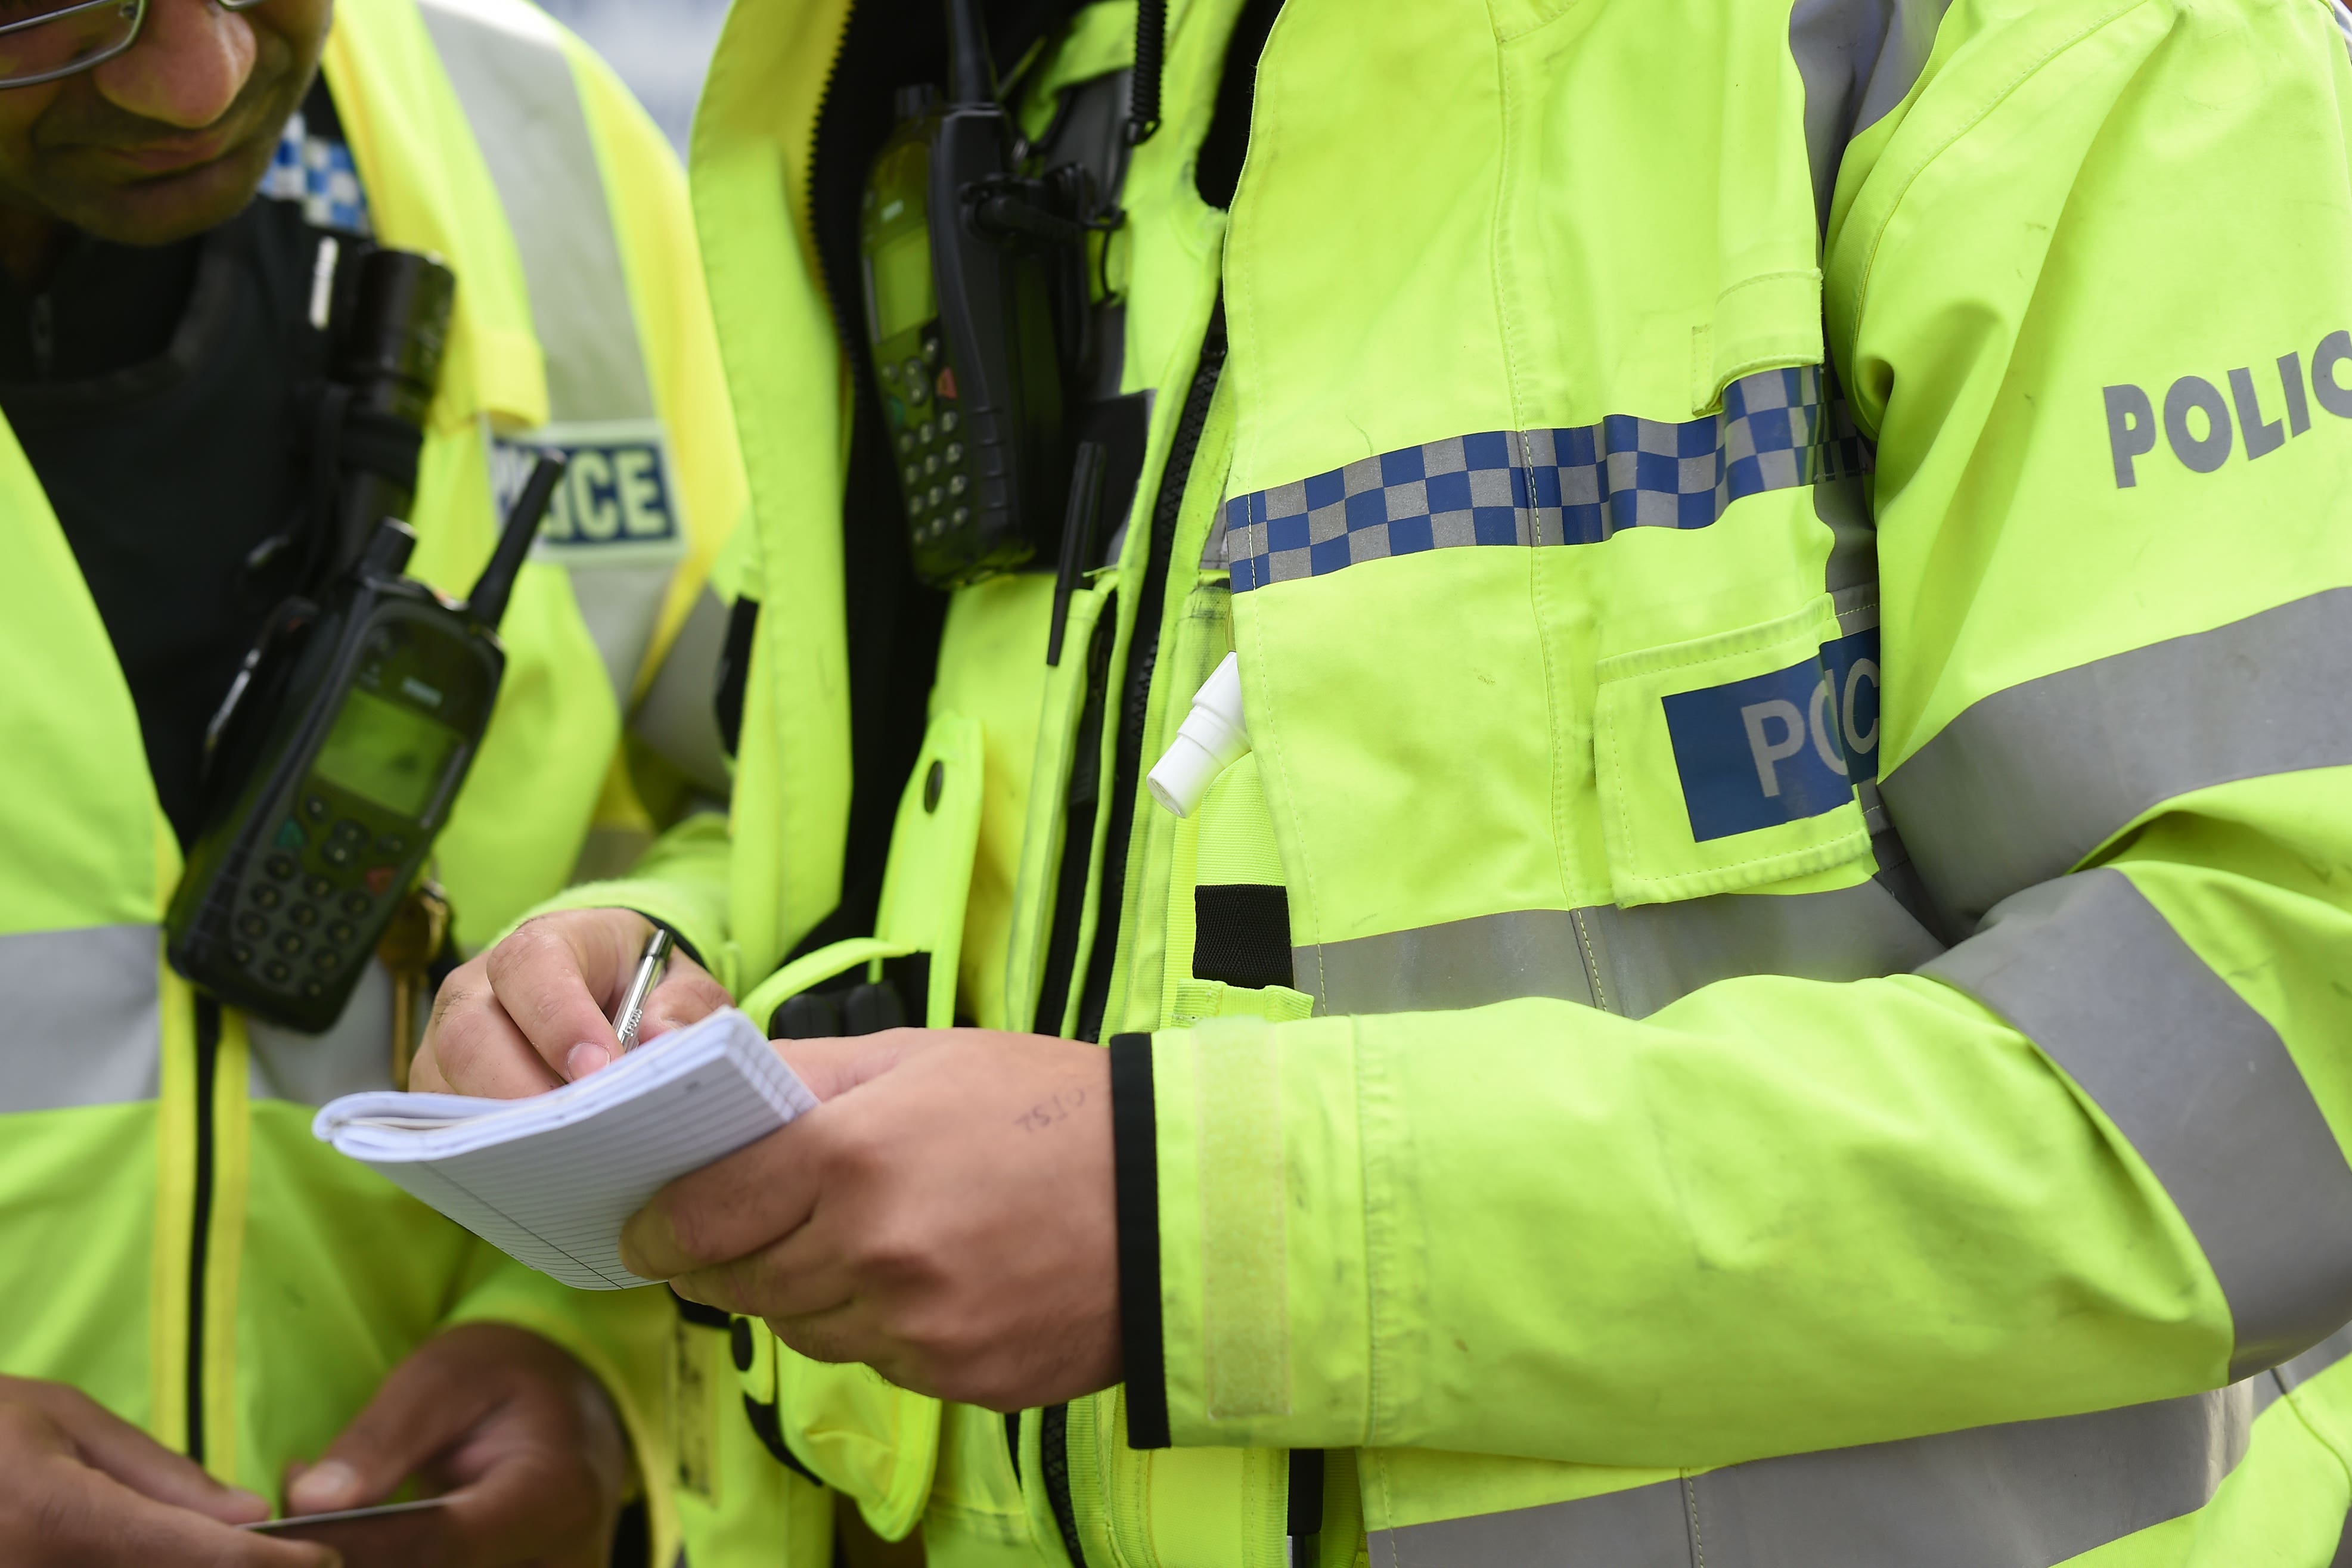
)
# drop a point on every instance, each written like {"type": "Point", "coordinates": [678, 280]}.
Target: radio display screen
{"type": "Point", "coordinates": [388, 753]}
{"type": "Point", "coordinates": [904, 295]}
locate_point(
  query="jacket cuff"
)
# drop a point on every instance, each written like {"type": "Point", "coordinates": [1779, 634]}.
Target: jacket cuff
{"type": "Point", "coordinates": [700, 935]}
{"type": "Point", "coordinates": [1135, 1143]}
{"type": "Point", "coordinates": [681, 882]}
{"type": "Point", "coordinates": [1257, 1163]}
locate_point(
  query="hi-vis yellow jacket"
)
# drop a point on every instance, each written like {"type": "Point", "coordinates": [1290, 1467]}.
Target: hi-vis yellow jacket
{"type": "Point", "coordinates": [173, 1241]}
{"type": "Point", "coordinates": [1774, 988]}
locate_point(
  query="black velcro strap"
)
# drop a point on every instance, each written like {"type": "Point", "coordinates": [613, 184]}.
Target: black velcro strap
{"type": "Point", "coordinates": [1242, 934]}
{"type": "Point", "coordinates": [1306, 1493]}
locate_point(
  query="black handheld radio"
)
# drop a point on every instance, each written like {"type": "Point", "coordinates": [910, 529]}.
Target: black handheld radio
{"type": "Point", "coordinates": [975, 301]}
{"type": "Point", "coordinates": [340, 746]}
{"type": "Point", "coordinates": [391, 329]}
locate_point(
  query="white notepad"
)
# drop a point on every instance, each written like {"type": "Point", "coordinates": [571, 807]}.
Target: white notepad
{"type": "Point", "coordinates": [550, 1181]}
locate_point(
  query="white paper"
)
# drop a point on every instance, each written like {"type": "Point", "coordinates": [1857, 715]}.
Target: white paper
{"type": "Point", "coordinates": [551, 1180]}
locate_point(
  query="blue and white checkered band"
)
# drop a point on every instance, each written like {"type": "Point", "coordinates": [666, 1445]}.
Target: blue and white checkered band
{"type": "Point", "coordinates": [318, 172]}
{"type": "Point", "coordinates": [1778, 430]}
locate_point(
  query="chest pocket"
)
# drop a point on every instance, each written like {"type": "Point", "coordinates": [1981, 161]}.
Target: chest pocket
{"type": "Point", "coordinates": [1731, 761]}
{"type": "Point", "coordinates": [1241, 914]}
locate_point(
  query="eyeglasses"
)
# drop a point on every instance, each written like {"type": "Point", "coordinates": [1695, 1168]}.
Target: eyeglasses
{"type": "Point", "coordinates": [41, 40]}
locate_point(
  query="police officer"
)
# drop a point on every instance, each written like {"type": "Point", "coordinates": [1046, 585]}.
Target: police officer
{"type": "Point", "coordinates": [205, 1305]}
{"type": "Point", "coordinates": [1769, 989]}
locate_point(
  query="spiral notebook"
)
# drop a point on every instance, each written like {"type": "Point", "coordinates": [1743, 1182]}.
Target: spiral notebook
{"type": "Point", "coordinates": [551, 1180]}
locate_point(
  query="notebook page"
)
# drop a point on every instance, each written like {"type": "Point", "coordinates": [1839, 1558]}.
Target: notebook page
{"type": "Point", "coordinates": [550, 1181]}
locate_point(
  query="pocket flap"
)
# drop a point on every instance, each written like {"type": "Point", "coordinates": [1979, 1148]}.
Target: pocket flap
{"type": "Point", "coordinates": [1723, 762]}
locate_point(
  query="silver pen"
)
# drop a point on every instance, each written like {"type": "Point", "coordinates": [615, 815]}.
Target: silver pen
{"type": "Point", "coordinates": [650, 963]}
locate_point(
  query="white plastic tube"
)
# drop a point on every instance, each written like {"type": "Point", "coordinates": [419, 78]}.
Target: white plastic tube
{"type": "Point", "coordinates": [1212, 740]}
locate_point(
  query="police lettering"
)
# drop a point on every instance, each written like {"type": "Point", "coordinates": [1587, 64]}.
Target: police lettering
{"type": "Point", "coordinates": [2203, 425]}
{"type": "Point", "coordinates": [616, 492]}
{"type": "Point", "coordinates": [1780, 746]}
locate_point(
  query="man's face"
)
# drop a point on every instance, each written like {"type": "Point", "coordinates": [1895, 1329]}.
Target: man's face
{"type": "Point", "coordinates": [170, 138]}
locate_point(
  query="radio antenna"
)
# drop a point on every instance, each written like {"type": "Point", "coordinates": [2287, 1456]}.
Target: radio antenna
{"type": "Point", "coordinates": [487, 605]}
{"type": "Point", "coordinates": [971, 75]}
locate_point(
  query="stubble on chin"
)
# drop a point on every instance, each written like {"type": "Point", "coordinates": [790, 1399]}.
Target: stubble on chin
{"type": "Point", "coordinates": [71, 172]}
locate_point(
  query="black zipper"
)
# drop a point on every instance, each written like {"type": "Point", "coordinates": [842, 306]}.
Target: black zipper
{"type": "Point", "coordinates": [1052, 1426]}
{"type": "Point", "coordinates": [208, 1030]}
{"type": "Point", "coordinates": [1142, 659]}
{"type": "Point", "coordinates": [1053, 1465]}
{"type": "Point", "coordinates": [1080, 803]}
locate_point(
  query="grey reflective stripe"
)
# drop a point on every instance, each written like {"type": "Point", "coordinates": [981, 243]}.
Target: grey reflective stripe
{"type": "Point", "coordinates": [1628, 961]}
{"type": "Point", "coordinates": [313, 1069]}
{"type": "Point", "coordinates": [620, 597]}
{"type": "Point", "coordinates": [2291, 1374]}
{"type": "Point", "coordinates": [1859, 58]}
{"type": "Point", "coordinates": [2029, 1494]}
{"type": "Point", "coordinates": [679, 715]}
{"type": "Point", "coordinates": [2198, 1080]}
{"type": "Point", "coordinates": [1843, 508]}
{"type": "Point", "coordinates": [83, 1020]}
{"type": "Point", "coordinates": [515, 84]}
{"type": "Point", "coordinates": [511, 76]}
{"type": "Point", "coordinates": [2027, 783]}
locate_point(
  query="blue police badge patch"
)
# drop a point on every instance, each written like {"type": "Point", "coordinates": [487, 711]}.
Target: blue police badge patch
{"type": "Point", "coordinates": [1780, 747]}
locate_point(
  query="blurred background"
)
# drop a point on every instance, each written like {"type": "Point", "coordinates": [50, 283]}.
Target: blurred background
{"type": "Point", "coordinates": [661, 49]}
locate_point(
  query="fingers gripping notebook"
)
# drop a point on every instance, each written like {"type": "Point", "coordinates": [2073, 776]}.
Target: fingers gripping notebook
{"type": "Point", "coordinates": [551, 1180]}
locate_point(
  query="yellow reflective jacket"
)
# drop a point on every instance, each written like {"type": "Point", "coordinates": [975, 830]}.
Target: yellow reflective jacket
{"type": "Point", "coordinates": [1772, 989]}
{"type": "Point", "coordinates": [173, 1241]}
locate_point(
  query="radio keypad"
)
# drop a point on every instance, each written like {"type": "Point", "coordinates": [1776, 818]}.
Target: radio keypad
{"type": "Point", "coordinates": [932, 470]}
{"type": "Point", "coordinates": [309, 900]}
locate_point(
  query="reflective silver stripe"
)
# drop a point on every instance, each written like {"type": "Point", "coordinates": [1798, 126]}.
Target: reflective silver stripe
{"type": "Point", "coordinates": [515, 84]}
{"type": "Point", "coordinates": [516, 87]}
{"type": "Point", "coordinates": [2200, 1083]}
{"type": "Point", "coordinates": [1859, 58]}
{"type": "Point", "coordinates": [2029, 1494]}
{"type": "Point", "coordinates": [2294, 1373]}
{"type": "Point", "coordinates": [313, 1069]}
{"type": "Point", "coordinates": [679, 716]}
{"type": "Point", "coordinates": [2289, 1375]}
{"type": "Point", "coordinates": [84, 1016]}
{"type": "Point", "coordinates": [2028, 782]}
{"type": "Point", "coordinates": [1628, 961]}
